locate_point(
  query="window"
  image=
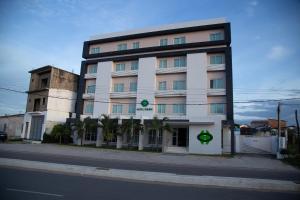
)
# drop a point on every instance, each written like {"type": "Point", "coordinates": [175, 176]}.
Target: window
{"type": "Point", "coordinates": [135, 45]}
{"type": "Point", "coordinates": [135, 65]}
{"type": "Point", "coordinates": [161, 108]}
{"type": "Point", "coordinates": [122, 47]}
{"type": "Point", "coordinates": [179, 108]}
{"type": "Point", "coordinates": [95, 50]}
{"type": "Point", "coordinates": [179, 85]}
{"type": "Point", "coordinates": [164, 42]}
{"type": "Point", "coordinates": [180, 62]}
{"type": "Point", "coordinates": [162, 85]}
{"type": "Point", "coordinates": [217, 108]}
{"type": "Point", "coordinates": [152, 137]}
{"type": "Point", "coordinates": [216, 36]}
{"type": "Point", "coordinates": [91, 89]}
{"type": "Point", "coordinates": [163, 63]}
{"type": "Point", "coordinates": [44, 82]}
{"type": "Point", "coordinates": [216, 59]}
{"type": "Point", "coordinates": [44, 101]}
{"type": "Point", "coordinates": [92, 69]}
{"type": "Point", "coordinates": [120, 67]}
{"type": "Point", "coordinates": [117, 108]}
{"type": "Point", "coordinates": [133, 86]}
{"type": "Point", "coordinates": [119, 87]}
{"type": "Point", "coordinates": [131, 108]}
{"type": "Point", "coordinates": [179, 40]}
{"type": "Point", "coordinates": [217, 84]}
{"type": "Point", "coordinates": [89, 107]}
{"type": "Point", "coordinates": [90, 136]}
{"type": "Point", "coordinates": [37, 103]}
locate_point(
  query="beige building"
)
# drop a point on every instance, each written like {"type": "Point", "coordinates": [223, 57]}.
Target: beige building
{"type": "Point", "coordinates": [51, 99]}
{"type": "Point", "coordinates": [183, 71]}
{"type": "Point", "coordinates": [12, 125]}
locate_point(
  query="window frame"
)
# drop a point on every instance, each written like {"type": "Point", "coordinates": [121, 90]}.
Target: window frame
{"type": "Point", "coordinates": [120, 67]}
{"type": "Point", "coordinates": [135, 45]}
{"type": "Point", "coordinates": [94, 51]}
{"type": "Point", "coordinates": [118, 87]}
{"type": "Point", "coordinates": [161, 108]}
{"type": "Point", "coordinates": [160, 83]}
{"type": "Point", "coordinates": [179, 40]}
{"type": "Point", "coordinates": [163, 42]}
{"type": "Point", "coordinates": [214, 110]}
{"type": "Point", "coordinates": [134, 65]}
{"type": "Point", "coordinates": [122, 46]}
{"type": "Point", "coordinates": [117, 108]}
{"type": "Point", "coordinates": [133, 89]}
{"type": "Point", "coordinates": [180, 62]}
{"type": "Point", "coordinates": [214, 61]}
{"type": "Point", "coordinates": [131, 108]}
{"type": "Point", "coordinates": [163, 63]}
{"type": "Point", "coordinates": [89, 108]}
{"type": "Point", "coordinates": [177, 86]}
{"type": "Point", "coordinates": [217, 83]}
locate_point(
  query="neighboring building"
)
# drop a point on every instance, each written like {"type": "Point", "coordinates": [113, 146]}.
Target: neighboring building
{"type": "Point", "coordinates": [180, 71]}
{"type": "Point", "coordinates": [272, 123]}
{"type": "Point", "coordinates": [51, 99]}
{"type": "Point", "coordinates": [12, 125]}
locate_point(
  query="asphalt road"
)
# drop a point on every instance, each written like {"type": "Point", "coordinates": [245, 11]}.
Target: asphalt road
{"type": "Point", "coordinates": [26, 184]}
{"type": "Point", "coordinates": [143, 166]}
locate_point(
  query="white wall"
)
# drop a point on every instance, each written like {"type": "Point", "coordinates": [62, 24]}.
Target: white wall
{"type": "Point", "coordinates": [213, 147]}
{"type": "Point", "coordinates": [103, 84]}
{"type": "Point", "coordinates": [146, 85]}
{"type": "Point", "coordinates": [196, 86]}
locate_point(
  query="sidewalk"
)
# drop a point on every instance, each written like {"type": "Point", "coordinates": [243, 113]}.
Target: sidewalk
{"type": "Point", "coordinates": [156, 177]}
{"type": "Point", "coordinates": [238, 161]}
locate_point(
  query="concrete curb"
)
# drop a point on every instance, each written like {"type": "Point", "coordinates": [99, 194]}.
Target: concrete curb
{"type": "Point", "coordinates": [229, 182]}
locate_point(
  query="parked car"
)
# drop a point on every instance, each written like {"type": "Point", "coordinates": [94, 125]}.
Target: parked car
{"type": "Point", "coordinates": [3, 136]}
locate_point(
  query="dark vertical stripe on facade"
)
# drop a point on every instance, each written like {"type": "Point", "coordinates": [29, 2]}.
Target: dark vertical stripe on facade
{"type": "Point", "coordinates": [229, 95]}
{"type": "Point", "coordinates": [79, 104]}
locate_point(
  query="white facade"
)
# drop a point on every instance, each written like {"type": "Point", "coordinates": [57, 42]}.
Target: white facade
{"type": "Point", "coordinates": [187, 84]}
{"type": "Point", "coordinates": [58, 110]}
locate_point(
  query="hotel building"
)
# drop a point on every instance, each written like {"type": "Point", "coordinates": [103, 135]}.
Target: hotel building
{"type": "Point", "coordinates": [179, 71]}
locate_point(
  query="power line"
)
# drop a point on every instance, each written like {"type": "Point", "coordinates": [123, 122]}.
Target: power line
{"type": "Point", "coordinates": [119, 102]}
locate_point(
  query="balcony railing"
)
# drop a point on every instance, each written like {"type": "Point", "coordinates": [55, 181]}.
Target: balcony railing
{"type": "Point", "coordinates": [124, 73]}
{"type": "Point", "coordinates": [122, 94]}
{"type": "Point", "coordinates": [90, 75]}
{"type": "Point", "coordinates": [216, 92]}
{"type": "Point", "coordinates": [217, 67]}
{"type": "Point", "coordinates": [169, 70]}
{"type": "Point", "coordinates": [170, 93]}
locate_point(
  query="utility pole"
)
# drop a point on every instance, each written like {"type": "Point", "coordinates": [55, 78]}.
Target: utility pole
{"type": "Point", "coordinates": [298, 131]}
{"type": "Point", "coordinates": [278, 125]}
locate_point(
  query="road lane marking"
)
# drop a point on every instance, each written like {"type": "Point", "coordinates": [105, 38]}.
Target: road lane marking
{"type": "Point", "coordinates": [34, 192]}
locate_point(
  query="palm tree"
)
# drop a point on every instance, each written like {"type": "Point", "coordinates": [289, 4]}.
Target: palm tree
{"type": "Point", "coordinates": [90, 125]}
{"type": "Point", "coordinates": [131, 127]}
{"type": "Point", "coordinates": [160, 125]}
{"type": "Point", "coordinates": [108, 127]}
{"type": "Point", "coordinates": [61, 132]}
{"type": "Point", "coordinates": [79, 126]}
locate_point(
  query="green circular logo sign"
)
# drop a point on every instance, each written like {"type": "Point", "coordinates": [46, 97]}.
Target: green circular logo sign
{"type": "Point", "coordinates": [145, 103]}
{"type": "Point", "coordinates": [205, 137]}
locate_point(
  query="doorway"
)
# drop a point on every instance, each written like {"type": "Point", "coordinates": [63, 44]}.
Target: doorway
{"type": "Point", "coordinates": [180, 137]}
{"type": "Point", "coordinates": [36, 127]}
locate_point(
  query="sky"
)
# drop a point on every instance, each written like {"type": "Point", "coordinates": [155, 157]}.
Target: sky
{"type": "Point", "coordinates": [265, 43]}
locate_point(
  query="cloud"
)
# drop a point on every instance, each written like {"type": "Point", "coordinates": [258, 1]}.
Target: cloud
{"type": "Point", "coordinates": [251, 7]}
{"type": "Point", "coordinates": [278, 52]}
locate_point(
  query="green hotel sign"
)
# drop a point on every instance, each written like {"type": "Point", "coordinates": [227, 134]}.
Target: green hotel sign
{"type": "Point", "coordinates": [205, 137]}
{"type": "Point", "coordinates": [144, 103]}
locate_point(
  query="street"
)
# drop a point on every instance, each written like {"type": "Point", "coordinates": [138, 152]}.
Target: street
{"type": "Point", "coordinates": [143, 166]}
{"type": "Point", "coordinates": [26, 184]}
